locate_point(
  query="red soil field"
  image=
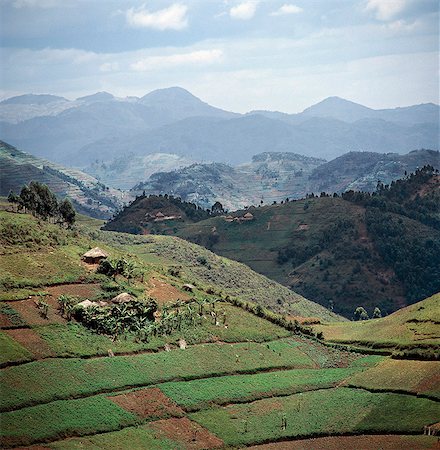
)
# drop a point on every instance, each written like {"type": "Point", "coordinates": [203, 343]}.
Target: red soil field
{"type": "Point", "coordinates": [190, 434]}
{"type": "Point", "coordinates": [32, 341]}
{"type": "Point", "coordinates": [147, 403]}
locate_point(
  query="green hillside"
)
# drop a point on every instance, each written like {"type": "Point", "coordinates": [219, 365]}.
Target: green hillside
{"type": "Point", "coordinates": [415, 325]}
{"type": "Point", "coordinates": [371, 250]}
{"type": "Point", "coordinates": [18, 168]}
{"type": "Point", "coordinates": [228, 372]}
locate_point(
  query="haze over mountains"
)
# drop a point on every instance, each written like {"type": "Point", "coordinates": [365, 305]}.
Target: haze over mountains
{"type": "Point", "coordinates": [102, 127]}
{"type": "Point", "coordinates": [275, 176]}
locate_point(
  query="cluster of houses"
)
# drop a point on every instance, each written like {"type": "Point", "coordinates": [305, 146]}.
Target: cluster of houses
{"type": "Point", "coordinates": [160, 217]}
{"type": "Point", "coordinates": [244, 218]}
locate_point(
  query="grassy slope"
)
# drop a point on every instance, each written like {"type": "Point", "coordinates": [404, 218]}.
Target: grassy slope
{"type": "Point", "coordinates": [49, 255]}
{"type": "Point", "coordinates": [418, 323]}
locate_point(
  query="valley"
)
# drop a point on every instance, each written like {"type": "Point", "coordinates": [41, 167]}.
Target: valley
{"type": "Point", "coordinates": [252, 375]}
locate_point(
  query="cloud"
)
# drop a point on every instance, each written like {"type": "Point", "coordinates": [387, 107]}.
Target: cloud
{"type": "Point", "coordinates": [287, 9]}
{"type": "Point", "coordinates": [244, 11]}
{"type": "Point", "coordinates": [385, 10]}
{"type": "Point", "coordinates": [195, 57]}
{"type": "Point", "coordinates": [172, 18]}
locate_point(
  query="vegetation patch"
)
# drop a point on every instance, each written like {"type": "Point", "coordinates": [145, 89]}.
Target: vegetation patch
{"type": "Point", "coordinates": [418, 377]}
{"type": "Point", "coordinates": [63, 419]}
{"type": "Point", "coordinates": [199, 394]}
{"type": "Point", "coordinates": [9, 317]}
{"type": "Point", "coordinates": [332, 411]}
{"type": "Point", "coordinates": [12, 351]}
{"type": "Point", "coordinates": [139, 437]}
{"type": "Point", "coordinates": [65, 378]}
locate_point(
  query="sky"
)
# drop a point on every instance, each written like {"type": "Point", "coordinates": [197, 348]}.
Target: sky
{"type": "Point", "coordinates": [238, 55]}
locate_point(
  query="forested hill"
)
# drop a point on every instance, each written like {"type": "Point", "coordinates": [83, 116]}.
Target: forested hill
{"type": "Point", "coordinates": [358, 249]}
{"type": "Point", "coordinates": [155, 210]}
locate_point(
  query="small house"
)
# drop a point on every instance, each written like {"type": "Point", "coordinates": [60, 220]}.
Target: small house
{"type": "Point", "coordinates": [122, 298]}
{"type": "Point", "coordinates": [188, 287]}
{"type": "Point", "coordinates": [248, 216]}
{"type": "Point", "coordinates": [94, 256]}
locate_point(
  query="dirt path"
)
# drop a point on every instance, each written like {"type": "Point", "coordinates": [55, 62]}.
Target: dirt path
{"type": "Point", "coordinates": [363, 442]}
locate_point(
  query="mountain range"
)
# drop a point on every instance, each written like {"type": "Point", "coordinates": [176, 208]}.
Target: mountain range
{"type": "Point", "coordinates": [276, 176]}
{"type": "Point", "coordinates": [101, 127]}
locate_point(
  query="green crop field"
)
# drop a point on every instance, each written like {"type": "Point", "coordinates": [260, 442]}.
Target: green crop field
{"type": "Point", "coordinates": [12, 351]}
{"type": "Point", "coordinates": [318, 412]}
{"type": "Point", "coordinates": [72, 377]}
{"type": "Point", "coordinates": [418, 377]}
{"type": "Point", "coordinates": [199, 394]}
{"type": "Point", "coordinates": [55, 420]}
{"type": "Point", "coordinates": [252, 377]}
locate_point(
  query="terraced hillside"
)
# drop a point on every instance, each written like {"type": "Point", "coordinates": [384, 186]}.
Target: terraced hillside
{"type": "Point", "coordinates": [238, 376]}
{"type": "Point", "coordinates": [88, 194]}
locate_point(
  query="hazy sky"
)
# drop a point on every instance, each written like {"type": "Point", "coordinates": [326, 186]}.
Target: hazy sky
{"type": "Point", "coordinates": [234, 54]}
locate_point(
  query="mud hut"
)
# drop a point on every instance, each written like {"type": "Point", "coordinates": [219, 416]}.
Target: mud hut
{"type": "Point", "coordinates": [188, 287]}
{"type": "Point", "coordinates": [122, 298]}
{"type": "Point", "coordinates": [94, 256]}
{"type": "Point", "coordinates": [248, 216]}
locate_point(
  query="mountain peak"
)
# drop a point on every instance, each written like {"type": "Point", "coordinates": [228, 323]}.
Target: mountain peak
{"type": "Point", "coordinates": [169, 94]}
{"type": "Point", "coordinates": [33, 99]}
{"type": "Point", "coordinates": [338, 108]}
{"type": "Point", "coordinates": [97, 97]}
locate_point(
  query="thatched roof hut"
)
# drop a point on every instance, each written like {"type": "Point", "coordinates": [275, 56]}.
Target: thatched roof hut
{"type": "Point", "coordinates": [188, 287]}
{"type": "Point", "coordinates": [248, 216]}
{"type": "Point", "coordinates": [122, 298]}
{"type": "Point", "coordinates": [94, 256]}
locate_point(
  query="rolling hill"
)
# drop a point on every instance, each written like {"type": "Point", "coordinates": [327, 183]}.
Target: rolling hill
{"type": "Point", "coordinates": [359, 250]}
{"type": "Point", "coordinates": [89, 196]}
{"type": "Point", "coordinates": [415, 325]}
{"type": "Point", "coordinates": [227, 373]}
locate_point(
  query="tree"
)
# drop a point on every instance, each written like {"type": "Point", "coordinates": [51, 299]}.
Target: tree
{"type": "Point", "coordinates": [13, 198]}
{"type": "Point", "coordinates": [360, 314]}
{"type": "Point", "coordinates": [377, 313]}
{"type": "Point", "coordinates": [67, 212]}
{"type": "Point", "coordinates": [217, 208]}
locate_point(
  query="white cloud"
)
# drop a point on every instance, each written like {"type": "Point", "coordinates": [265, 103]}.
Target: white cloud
{"type": "Point", "coordinates": [385, 10]}
{"type": "Point", "coordinates": [172, 18]}
{"type": "Point", "coordinates": [196, 57]}
{"type": "Point", "coordinates": [244, 11]}
{"type": "Point", "coordinates": [287, 9]}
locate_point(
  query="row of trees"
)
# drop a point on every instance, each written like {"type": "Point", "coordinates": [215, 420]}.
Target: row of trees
{"type": "Point", "coordinates": [39, 200]}
{"type": "Point", "coordinates": [360, 313]}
